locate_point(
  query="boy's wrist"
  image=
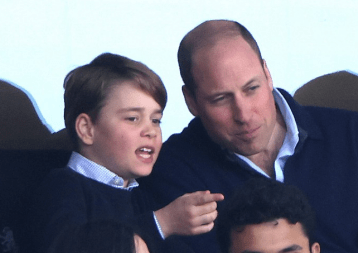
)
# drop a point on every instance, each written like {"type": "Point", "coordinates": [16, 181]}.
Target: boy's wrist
{"type": "Point", "coordinates": [159, 227]}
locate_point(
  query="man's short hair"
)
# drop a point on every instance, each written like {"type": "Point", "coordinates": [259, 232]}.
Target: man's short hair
{"type": "Point", "coordinates": [87, 87]}
{"type": "Point", "coordinates": [263, 200]}
{"type": "Point", "coordinates": [207, 34]}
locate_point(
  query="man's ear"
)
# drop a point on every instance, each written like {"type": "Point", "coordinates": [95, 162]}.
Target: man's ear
{"type": "Point", "coordinates": [268, 75]}
{"type": "Point", "coordinates": [315, 248]}
{"type": "Point", "coordinates": [190, 101]}
{"type": "Point", "coordinates": [84, 128]}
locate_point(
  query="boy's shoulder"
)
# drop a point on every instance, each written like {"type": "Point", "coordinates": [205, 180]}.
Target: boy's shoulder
{"type": "Point", "coordinates": [66, 181]}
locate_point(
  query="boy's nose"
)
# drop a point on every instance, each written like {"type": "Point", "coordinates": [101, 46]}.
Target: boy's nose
{"type": "Point", "coordinates": [149, 131]}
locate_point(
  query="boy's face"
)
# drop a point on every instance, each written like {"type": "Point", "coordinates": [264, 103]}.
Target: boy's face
{"type": "Point", "coordinates": [126, 138]}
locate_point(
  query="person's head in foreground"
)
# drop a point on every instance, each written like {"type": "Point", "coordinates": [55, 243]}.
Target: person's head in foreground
{"type": "Point", "coordinates": [113, 108]}
{"type": "Point", "coordinates": [266, 216]}
{"type": "Point", "coordinates": [100, 237]}
{"type": "Point", "coordinates": [227, 85]}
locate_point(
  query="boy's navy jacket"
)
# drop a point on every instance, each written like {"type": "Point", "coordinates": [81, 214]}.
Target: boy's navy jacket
{"type": "Point", "coordinates": [66, 198]}
{"type": "Point", "coordinates": [324, 166]}
{"type": "Point", "coordinates": [30, 184]}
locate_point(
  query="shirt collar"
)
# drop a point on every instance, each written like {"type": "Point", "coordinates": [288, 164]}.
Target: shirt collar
{"type": "Point", "coordinates": [92, 170]}
{"type": "Point", "coordinates": [291, 125]}
{"type": "Point", "coordinates": [290, 142]}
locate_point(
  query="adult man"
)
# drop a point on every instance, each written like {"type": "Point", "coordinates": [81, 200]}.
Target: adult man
{"type": "Point", "coordinates": [244, 128]}
{"type": "Point", "coordinates": [267, 216]}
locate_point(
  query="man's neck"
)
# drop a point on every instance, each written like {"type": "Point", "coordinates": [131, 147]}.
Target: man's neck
{"type": "Point", "coordinates": [266, 159]}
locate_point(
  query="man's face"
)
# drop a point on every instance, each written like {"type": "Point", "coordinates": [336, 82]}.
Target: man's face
{"type": "Point", "coordinates": [234, 96]}
{"type": "Point", "coordinates": [272, 237]}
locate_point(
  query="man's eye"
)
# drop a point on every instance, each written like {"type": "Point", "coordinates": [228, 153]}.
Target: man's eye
{"type": "Point", "coordinates": [254, 87]}
{"type": "Point", "coordinates": [218, 99]}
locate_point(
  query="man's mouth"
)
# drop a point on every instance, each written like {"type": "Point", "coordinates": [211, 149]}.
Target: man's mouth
{"type": "Point", "coordinates": [248, 133]}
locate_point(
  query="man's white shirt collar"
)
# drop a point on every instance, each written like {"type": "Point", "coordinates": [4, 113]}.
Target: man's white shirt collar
{"type": "Point", "coordinates": [289, 143]}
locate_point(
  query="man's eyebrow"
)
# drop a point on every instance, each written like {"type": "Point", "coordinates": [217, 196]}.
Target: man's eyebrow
{"type": "Point", "coordinates": [250, 251]}
{"type": "Point", "coordinates": [252, 80]}
{"type": "Point", "coordinates": [291, 248]}
{"type": "Point", "coordinates": [222, 92]}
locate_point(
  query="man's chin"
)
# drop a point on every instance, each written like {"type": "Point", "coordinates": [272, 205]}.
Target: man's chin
{"type": "Point", "coordinates": [247, 151]}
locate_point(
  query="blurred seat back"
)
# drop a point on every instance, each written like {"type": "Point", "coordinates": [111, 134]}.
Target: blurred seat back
{"type": "Point", "coordinates": [20, 127]}
{"type": "Point", "coordinates": [335, 90]}
{"type": "Point", "coordinates": [28, 151]}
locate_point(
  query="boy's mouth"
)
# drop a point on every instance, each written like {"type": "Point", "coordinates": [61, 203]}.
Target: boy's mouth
{"type": "Point", "coordinates": [145, 152]}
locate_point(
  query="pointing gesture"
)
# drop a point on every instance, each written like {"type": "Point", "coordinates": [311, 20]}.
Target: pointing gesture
{"type": "Point", "coordinates": [190, 214]}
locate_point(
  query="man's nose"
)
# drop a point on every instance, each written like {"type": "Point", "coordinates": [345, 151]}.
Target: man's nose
{"type": "Point", "coordinates": [241, 111]}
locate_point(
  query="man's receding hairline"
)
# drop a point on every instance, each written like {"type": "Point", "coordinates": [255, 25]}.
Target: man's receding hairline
{"type": "Point", "coordinates": [209, 33]}
{"type": "Point", "coordinates": [205, 36]}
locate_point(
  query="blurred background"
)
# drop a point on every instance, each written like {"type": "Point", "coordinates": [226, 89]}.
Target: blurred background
{"type": "Point", "coordinates": [42, 40]}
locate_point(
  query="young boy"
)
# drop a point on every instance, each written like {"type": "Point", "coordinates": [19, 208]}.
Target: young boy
{"type": "Point", "coordinates": [113, 109]}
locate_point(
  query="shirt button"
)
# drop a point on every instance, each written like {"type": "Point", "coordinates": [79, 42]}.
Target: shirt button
{"type": "Point", "coordinates": [117, 181]}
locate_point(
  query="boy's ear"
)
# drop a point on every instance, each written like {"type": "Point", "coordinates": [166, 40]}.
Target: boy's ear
{"type": "Point", "coordinates": [315, 248]}
{"type": "Point", "coordinates": [190, 101]}
{"type": "Point", "coordinates": [84, 128]}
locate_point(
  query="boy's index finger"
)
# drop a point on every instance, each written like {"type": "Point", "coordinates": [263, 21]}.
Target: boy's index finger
{"type": "Point", "coordinates": [210, 197]}
{"type": "Point", "coordinates": [217, 196]}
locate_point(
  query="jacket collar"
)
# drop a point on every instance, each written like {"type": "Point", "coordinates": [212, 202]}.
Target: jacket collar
{"type": "Point", "coordinates": [307, 126]}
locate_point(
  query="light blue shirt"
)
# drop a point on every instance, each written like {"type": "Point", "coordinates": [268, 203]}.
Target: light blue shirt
{"type": "Point", "coordinates": [289, 143]}
{"type": "Point", "coordinates": [92, 170]}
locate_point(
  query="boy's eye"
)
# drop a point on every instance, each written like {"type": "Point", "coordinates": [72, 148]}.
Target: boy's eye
{"type": "Point", "coordinates": [132, 119]}
{"type": "Point", "coordinates": [156, 121]}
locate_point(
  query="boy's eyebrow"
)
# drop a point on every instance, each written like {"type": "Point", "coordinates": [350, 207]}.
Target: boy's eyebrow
{"type": "Point", "coordinates": [138, 109]}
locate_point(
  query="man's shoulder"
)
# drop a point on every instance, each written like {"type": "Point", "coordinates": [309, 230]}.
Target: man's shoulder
{"type": "Point", "coordinates": [192, 135]}
{"type": "Point", "coordinates": [311, 117]}
{"type": "Point", "coordinates": [189, 145]}
{"type": "Point", "coordinates": [328, 117]}
{"type": "Point", "coordinates": [191, 149]}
